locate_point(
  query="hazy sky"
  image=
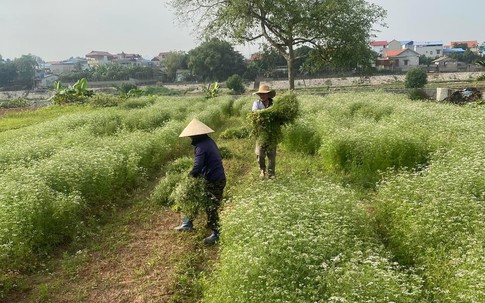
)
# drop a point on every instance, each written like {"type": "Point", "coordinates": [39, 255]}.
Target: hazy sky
{"type": "Point", "coordinates": [59, 29]}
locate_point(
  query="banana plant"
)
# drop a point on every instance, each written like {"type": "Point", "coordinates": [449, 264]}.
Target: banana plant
{"type": "Point", "coordinates": [71, 94]}
{"type": "Point", "coordinates": [211, 90]}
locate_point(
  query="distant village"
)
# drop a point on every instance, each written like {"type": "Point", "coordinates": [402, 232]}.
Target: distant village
{"type": "Point", "coordinates": [391, 55]}
{"type": "Point", "coordinates": [406, 54]}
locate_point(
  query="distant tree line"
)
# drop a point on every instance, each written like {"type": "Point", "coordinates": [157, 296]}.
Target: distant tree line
{"type": "Point", "coordinates": [212, 60]}
{"type": "Point", "coordinates": [18, 73]}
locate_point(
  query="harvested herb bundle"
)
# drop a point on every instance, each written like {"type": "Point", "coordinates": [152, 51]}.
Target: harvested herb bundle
{"type": "Point", "coordinates": [266, 124]}
{"type": "Point", "coordinates": [190, 196]}
{"type": "Point", "coordinates": [176, 171]}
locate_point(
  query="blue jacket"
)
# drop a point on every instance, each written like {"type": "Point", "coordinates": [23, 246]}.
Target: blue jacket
{"type": "Point", "coordinates": [208, 160]}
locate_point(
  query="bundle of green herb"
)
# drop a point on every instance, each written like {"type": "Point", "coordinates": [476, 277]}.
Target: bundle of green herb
{"type": "Point", "coordinates": [266, 124]}
{"type": "Point", "coordinates": [176, 171]}
{"type": "Point", "coordinates": [190, 196]}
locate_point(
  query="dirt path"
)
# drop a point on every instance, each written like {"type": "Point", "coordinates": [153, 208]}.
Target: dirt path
{"type": "Point", "coordinates": [134, 259]}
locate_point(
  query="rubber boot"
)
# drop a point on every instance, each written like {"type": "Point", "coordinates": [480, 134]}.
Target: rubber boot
{"type": "Point", "coordinates": [212, 239]}
{"type": "Point", "coordinates": [186, 225]}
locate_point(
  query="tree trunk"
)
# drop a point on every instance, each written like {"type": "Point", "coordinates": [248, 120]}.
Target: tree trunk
{"type": "Point", "coordinates": [291, 72]}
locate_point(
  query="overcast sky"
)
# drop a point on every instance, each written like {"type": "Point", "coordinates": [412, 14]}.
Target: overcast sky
{"type": "Point", "coordinates": [60, 29]}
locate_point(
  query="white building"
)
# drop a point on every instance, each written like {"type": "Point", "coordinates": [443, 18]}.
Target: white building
{"type": "Point", "coordinates": [432, 49]}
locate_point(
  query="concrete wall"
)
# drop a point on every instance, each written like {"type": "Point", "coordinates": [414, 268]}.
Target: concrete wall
{"type": "Point", "coordinates": [276, 84]}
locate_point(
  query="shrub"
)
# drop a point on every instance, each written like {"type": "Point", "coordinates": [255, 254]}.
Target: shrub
{"type": "Point", "coordinates": [235, 83]}
{"type": "Point", "coordinates": [416, 78]}
{"type": "Point", "coordinates": [301, 137]}
{"type": "Point", "coordinates": [106, 100]}
{"type": "Point", "coordinates": [417, 94]}
{"type": "Point", "coordinates": [236, 133]}
{"type": "Point", "coordinates": [15, 103]}
{"type": "Point", "coordinates": [225, 152]}
{"type": "Point", "coordinates": [136, 103]}
{"type": "Point", "coordinates": [124, 88]}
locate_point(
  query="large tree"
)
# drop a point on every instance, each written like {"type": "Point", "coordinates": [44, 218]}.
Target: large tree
{"type": "Point", "coordinates": [172, 62]}
{"type": "Point", "coordinates": [215, 60]}
{"type": "Point", "coordinates": [26, 66]}
{"type": "Point", "coordinates": [336, 29]}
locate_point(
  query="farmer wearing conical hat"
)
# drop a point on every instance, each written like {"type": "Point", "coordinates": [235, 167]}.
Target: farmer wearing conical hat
{"type": "Point", "coordinates": [207, 165]}
{"type": "Point", "coordinates": [265, 100]}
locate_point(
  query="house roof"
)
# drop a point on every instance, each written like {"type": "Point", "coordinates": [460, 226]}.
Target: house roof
{"type": "Point", "coordinates": [443, 59]}
{"type": "Point", "coordinates": [378, 43]}
{"type": "Point", "coordinates": [453, 50]}
{"type": "Point", "coordinates": [469, 44]}
{"type": "Point", "coordinates": [401, 53]}
{"type": "Point", "coordinates": [98, 53]}
{"type": "Point", "coordinates": [394, 53]}
{"type": "Point", "coordinates": [428, 43]}
{"type": "Point", "coordinates": [409, 42]}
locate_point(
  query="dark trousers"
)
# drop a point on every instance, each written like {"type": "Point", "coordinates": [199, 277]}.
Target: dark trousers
{"type": "Point", "coordinates": [266, 151]}
{"type": "Point", "coordinates": [216, 190]}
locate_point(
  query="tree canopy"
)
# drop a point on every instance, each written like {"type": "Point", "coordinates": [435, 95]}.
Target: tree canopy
{"type": "Point", "coordinates": [172, 62]}
{"type": "Point", "coordinates": [215, 60]}
{"type": "Point", "coordinates": [338, 30]}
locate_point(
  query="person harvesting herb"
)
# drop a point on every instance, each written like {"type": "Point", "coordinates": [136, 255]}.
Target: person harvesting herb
{"type": "Point", "coordinates": [266, 149]}
{"type": "Point", "coordinates": [267, 119]}
{"type": "Point", "coordinates": [207, 165]}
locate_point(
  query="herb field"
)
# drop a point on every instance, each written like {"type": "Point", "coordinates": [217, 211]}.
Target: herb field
{"type": "Point", "coordinates": [377, 198]}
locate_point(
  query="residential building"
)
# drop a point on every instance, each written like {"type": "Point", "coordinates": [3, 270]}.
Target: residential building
{"type": "Point", "coordinates": [432, 49]}
{"type": "Point", "coordinates": [131, 59]}
{"type": "Point", "coordinates": [394, 45]}
{"type": "Point", "coordinates": [445, 64]}
{"type": "Point", "coordinates": [403, 60]}
{"type": "Point", "coordinates": [97, 58]}
{"type": "Point", "coordinates": [65, 66]}
{"type": "Point", "coordinates": [378, 47]}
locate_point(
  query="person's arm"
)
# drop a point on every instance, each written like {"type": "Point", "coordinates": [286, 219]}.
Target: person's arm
{"type": "Point", "coordinates": [199, 160]}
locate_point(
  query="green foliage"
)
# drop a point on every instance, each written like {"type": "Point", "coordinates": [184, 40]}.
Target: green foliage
{"type": "Point", "coordinates": [417, 94]}
{"type": "Point", "coordinates": [225, 152]}
{"type": "Point", "coordinates": [191, 196]}
{"type": "Point", "coordinates": [416, 78]}
{"type": "Point", "coordinates": [425, 60]}
{"type": "Point", "coordinates": [124, 88]}
{"type": "Point", "coordinates": [77, 93]}
{"type": "Point", "coordinates": [434, 220]}
{"type": "Point", "coordinates": [312, 231]}
{"type": "Point", "coordinates": [290, 26]}
{"type": "Point", "coordinates": [172, 62]}
{"type": "Point", "coordinates": [235, 83]}
{"type": "Point", "coordinates": [58, 174]}
{"type": "Point", "coordinates": [211, 90]}
{"type": "Point", "coordinates": [176, 171]}
{"type": "Point", "coordinates": [106, 100]}
{"type": "Point", "coordinates": [236, 133]}
{"type": "Point", "coordinates": [162, 91]}
{"type": "Point", "coordinates": [215, 60]}
{"type": "Point", "coordinates": [266, 124]}
{"type": "Point", "coordinates": [15, 103]}
{"type": "Point", "coordinates": [301, 137]}
{"type": "Point", "coordinates": [133, 103]}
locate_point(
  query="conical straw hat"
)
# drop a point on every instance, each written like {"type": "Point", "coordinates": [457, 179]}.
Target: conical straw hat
{"type": "Point", "coordinates": [194, 128]}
